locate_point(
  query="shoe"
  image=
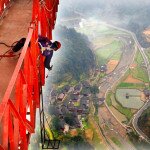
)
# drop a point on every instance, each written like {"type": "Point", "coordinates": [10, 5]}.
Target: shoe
{"type": "Point", "coordinates": [50, 68]}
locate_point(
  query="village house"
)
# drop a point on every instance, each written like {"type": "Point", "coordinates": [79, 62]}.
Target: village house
{"type": "Point", "coordinates": [70, 106]}
{"type": "Point", "coordinates": [75, 98]}
{"type": "Point", "coordinates": [61, 97]}
{"type": "Point", "coordinates": [101, 101]}
{"type": "Point", "coordinates": [146, 93]}
{"type": "Point", "coordinates": [84, 103]}
{"type": "Point", "coordinates": [85, 98]}
{"type": "Point", "coordinates": [86, 93]}
{"type": "Point", "coordinates": [79, 110]}
{"type": "Point", "coordinates": [51, 101]}
{"type": "Point", "coordinates": [77, 89]}
{"type": "Point", "coordinates": [97, 69]}
{"type": "Point", "coordinates": [58, 113]}
{"type": "Point", "coordinates": [77, 122]}
{"type": "Point", "coordinates": [75, 113]}
{"type": "Point", "coordinates": [103, 68]}
{"type": "Point", "coordinates": [66, 128]}
{"type": "Point", "coordinates": [53, 96]}
{"type": "Point", "coordinates": [64, 109]}
{"type": "Point", "coordinates": [85, 111]}
{"type": "Point", "coordinates": [66, 89]}
{"type": "Point", "coordinates": [62, 124]}
{"type": "Point", "coordinates": [86, 84]}
{"type": "Point", "coordinates": [53, 93]}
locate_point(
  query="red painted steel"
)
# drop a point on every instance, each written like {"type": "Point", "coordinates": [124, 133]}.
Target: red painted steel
{"type": "Point", "coordinates": [3, 4]}
{"type": "Point", "coordinates": [28, 76]}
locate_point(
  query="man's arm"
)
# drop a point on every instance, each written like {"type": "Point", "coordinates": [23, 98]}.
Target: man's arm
{"type": "Point", "coordinates": [44, 41]}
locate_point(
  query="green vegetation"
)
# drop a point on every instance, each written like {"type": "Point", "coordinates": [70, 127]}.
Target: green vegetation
{"type": "Point", "coordinates": [96, 78]}
{"type": "Point", "coordinates": [139, 71]}
{"type": "Point", "coordinates": [49, 133]}
{"type": "Point", "coordinates": [140, 74]}
{"type": "Point", "coordinates": [125, 111]}
{"type": "Point", "coordinates": [131, 85]}
{"type": "Point", "coordinates": [108, 99]}
{"type": "Point", "coordinates": [69, 119]}
{"type": "Point", "coordinates": [94, 89]}
{"type": "Point", "coordinates": [144, 122]}
{"type": "Point", "coordinates": [76, 104]}
{"type": "Point", "coordinates": [75, 59]}
{"type": "Point", "coordinates": [139, 144]}
{"type": "Point", "coordinates": [96, 139]}
{"type": "Point", "coordinates": [116, 141]}
{"type": "Point", "coordinates": [56, 123]}
{"type": "Point", "coordinates": [85, 123]}
{"type": "Point", "coordinates": [148, 53]}
{"type": "Point", "coordinates": [76, 143]}
{"type": "Point", "coordinates": [108, 51]}
{"type": "Point", "coordinates": [117, 55]}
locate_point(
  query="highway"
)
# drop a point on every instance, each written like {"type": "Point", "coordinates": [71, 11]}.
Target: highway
{"type": "Point", "coordinates": [111, 80]}
{"type": "Point", "coordinates": [146, 61]}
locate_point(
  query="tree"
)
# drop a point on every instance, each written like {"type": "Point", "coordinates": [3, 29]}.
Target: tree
{"type": "Point", "coordinates": [69, 119]}
{"type": "Point", "coordinates": [56, 123]}
{"type": "Point", "coordinates": [94, 89]}
{"type": "Point", "coordinates": [75, 58]}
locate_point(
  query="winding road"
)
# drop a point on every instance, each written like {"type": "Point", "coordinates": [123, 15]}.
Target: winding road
{"type": "Point", "coordinates": [111, 80]}
{"type": "Point", "coordinates": [130, 59]}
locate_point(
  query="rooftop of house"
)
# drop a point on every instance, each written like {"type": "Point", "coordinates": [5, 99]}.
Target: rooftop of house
{"type": "Point", "coordinates": [57, 112]}
{"type": "Point", "coordinates": [100, 102]}
{"type": "Point", "coordinates": [84, 98]}
{"type": "Point", "coordinates": [64, 109]}
{"type": "Point", "coordinates": [76, 120]}
{"type": "Point", "coordinates": [61, 96]}
{"type": "Point", "coordinates": [62, 123]}
{"type": "Point", "coordinates": [86, 84]}
{"type": "Point", "coordinates": [78, 87]}
{"type": "Point", "coordinates": [70, 105]}
{"type": "Point", "coordinates": [66, 88]}
{"type": "Point", "coordinates": [146, 92]}
{"type": "Point", "coordinates": [84, 101]}
{"type": "Point", "coordinates": [103, 68]}
{"type": "Point", "coordinates": [53, 93]}
{"type": "Point", "coordinates": [74, 97]}
{"type": "Point", "coordinates": [86, 92]}
{"type": "Point", "coordinates": [101, 99]}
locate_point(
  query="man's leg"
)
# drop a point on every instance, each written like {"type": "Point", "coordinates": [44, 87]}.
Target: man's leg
{"type": "Point", "coordinates": [47, 62]}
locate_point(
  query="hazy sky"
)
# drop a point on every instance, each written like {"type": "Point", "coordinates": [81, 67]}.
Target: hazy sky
{"type": "Point", "coordinates": [133, 15]}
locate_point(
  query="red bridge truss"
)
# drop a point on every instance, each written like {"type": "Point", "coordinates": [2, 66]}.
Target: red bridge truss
{"type": "Point", "coordinates": [27, 79]}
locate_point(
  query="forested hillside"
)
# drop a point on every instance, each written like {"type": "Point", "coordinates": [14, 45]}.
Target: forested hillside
{"type": "Point", "coordinates": [75, 57]}
{"type": "Point", "coordinates": [144, 122]}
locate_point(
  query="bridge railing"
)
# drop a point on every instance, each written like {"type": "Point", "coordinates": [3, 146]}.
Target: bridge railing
{"type": "Point", "coordinates": [22, 96]}
{"type": "Point", "coordinates": [3, 5]}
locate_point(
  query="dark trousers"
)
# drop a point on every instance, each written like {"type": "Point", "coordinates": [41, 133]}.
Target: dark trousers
{"type": "Point", "coordinates": [47, 61]}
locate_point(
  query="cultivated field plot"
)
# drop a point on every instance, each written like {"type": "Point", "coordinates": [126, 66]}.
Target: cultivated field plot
{"type": "Point", "coordinates": [104, 40]}
{"type": "Point", "coordinates": [120, 116]}
{"type": "Point", "coordinates": [132, 100]}
{"type": "Point", "coordinates": [111, 65]}
{"type": "Point", "coordinates": [131, 79]}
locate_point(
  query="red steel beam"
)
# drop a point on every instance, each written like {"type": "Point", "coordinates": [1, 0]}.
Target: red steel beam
{"type": "Point", "coordinates": [25, 80]}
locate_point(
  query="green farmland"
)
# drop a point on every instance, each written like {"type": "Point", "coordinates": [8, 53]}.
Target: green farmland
{"type": "Point", "coordinates": [134, 98]}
